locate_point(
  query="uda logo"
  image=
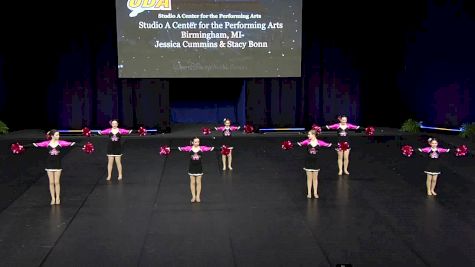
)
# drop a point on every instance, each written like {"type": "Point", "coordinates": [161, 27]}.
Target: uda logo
{"type": "Point", "coordinates": [139, 6]}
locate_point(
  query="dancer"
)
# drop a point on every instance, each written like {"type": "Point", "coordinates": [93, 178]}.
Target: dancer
{"type": "Point", "coordinates": [227, 130]}
{"type": "Point", "coordinates": [53, 163]}
{"type": "Point", "coordinates": [114, 147]}
{"type": "Point", "coordinates": [195, 169]}
{"type": "Point", "coordinates": [312, 166]}
{"type": "Point", "coordinates": [433, 166]}
{"type": "Point", "coordinates": [343, 148]}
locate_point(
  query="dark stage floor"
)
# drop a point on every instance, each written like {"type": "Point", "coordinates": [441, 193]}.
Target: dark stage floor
{"type": "Point", "coordinates": [254, 215]}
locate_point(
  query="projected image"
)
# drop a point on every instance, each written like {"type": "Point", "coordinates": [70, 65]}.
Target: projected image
{"type": "Point", "coordinates": [209, 38]}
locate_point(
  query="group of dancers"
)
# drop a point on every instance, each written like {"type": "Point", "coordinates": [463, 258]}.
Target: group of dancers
{"type": "Point", "coordinates": [55, 149]}
{"type": "Point", "coordinates": [55, 146]}
{"type": "Point", "coordinates": [311, 164]}
{"type": "Point", "coordinates": [312, 145]}
{"type": "Point", "coordinates": [195, 150]}
{"type": "Point", "coordinates": [312, 167]}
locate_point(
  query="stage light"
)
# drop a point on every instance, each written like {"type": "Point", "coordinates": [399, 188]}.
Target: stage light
{"type": "Point", "coordinates": [97, 131]}
{"type": "Point", "coordinates": [439, 128]}
{"type": "Point", "coordinates": [280, 130]}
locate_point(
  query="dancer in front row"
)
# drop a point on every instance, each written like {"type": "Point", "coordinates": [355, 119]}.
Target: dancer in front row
{"type": "Point", "coordinates": [312, 166]}
{"type": "Point", "coordinates": [53, 163]}
{"type": "Point", "coordinates": [227, 130]}
{"type": "Point", "coordinates": [432, 169]}
{"type": "Point", "coordinates": [195, 169]}
{"type": "Point", "coordinates": [114, 147]}
{"type": "Point", "coordinates": [342, 128]}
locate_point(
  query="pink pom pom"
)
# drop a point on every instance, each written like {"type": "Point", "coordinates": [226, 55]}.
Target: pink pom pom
{"type": "Point", "coordinates": [287, 145]}
{"type": "Point", "coordinates": [461, 151]}
{"type": "Point", "coordinates": [165, 150]}
{"type": "Point", "coordinates": [88, 148]}
{"type": "Point", "coordinates": [248, 128]}
{"type": "Point", "coordinates": [142, 131]}
{"type": "Point", "coordinates": [317, 128]}
{"type": "Point", "coordinates": [17, 148]}
{"type": "Point", "coordinates": [225, 150]}
{"type": "Point", "coordinates": [407, 150]}
{"type": "Point", "coordinates": [206, 131]}
{"type": "Point", "coordinates": [369, 131]}
{"type": "Point", "coordinates": [86, 132]}
{"type": "Point", "coordinates": [343, 146]}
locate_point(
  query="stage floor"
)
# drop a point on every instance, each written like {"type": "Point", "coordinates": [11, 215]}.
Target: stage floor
{"type": "Point", "coordinates": [254, 215]}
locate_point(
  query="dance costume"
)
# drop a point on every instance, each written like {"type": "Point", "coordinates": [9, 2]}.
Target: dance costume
{"type": "Point", "coordinates": [53, 163]}
{"type": "Point", "coordinates": [196, 167]}
{"type": "Point", "coordinates": [433, 164]}
{"type": "Point", "coordinates": [342, 133]}
{"type": "Point", "coordinates": [311, 160]}
{"type": "Point", "coordinates": [114, 147]}
{"type": "Point", "coordinates": [227, 134]}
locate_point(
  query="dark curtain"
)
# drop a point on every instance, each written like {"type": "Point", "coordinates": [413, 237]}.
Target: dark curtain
{"type": "Point", "coordinates": [88, 92]}
{"type": "Point", "coordinates": [438, 78]}
{"type": "Point", "coordinates": [421, 66]}
{"type": "Point", "coordinates": [330, 87]}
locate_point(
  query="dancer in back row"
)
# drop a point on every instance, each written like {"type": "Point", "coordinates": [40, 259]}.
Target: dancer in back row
{"type": "Point", "coordinates": [343, 150]}
{"type": "Point", "coordinates": [227, 130]}
{"type": "Point", "coordinates": [114, 147]}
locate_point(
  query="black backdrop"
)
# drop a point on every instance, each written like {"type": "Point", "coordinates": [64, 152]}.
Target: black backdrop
{"type": "Point", "coordinates": [380, 62]}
